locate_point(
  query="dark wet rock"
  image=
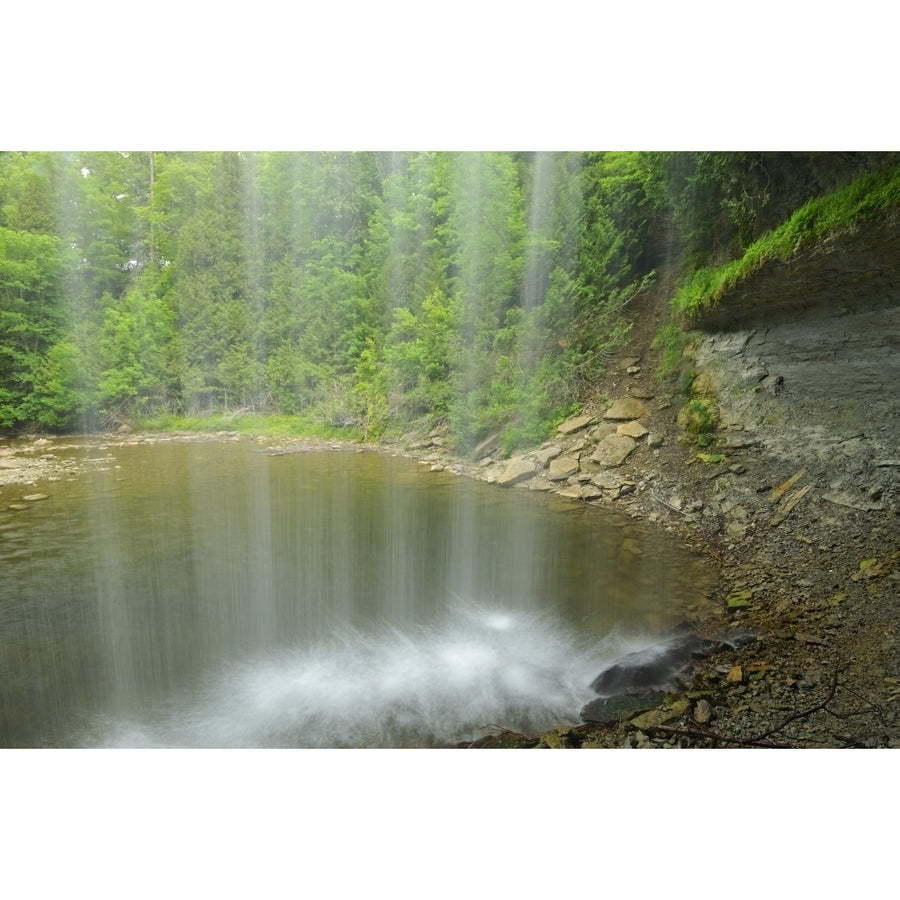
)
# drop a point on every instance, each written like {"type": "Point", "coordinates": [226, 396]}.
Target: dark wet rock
{"type": "Point", "coordinates": [655, 668]}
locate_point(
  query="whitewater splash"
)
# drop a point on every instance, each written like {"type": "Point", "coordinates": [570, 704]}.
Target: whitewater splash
{"type": "Point", "coordinates": [425, 687]}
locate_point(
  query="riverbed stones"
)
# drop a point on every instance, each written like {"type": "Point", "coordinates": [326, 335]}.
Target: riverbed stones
{"type": "Point", "coordinates": [606, 481]}
{"type": "Point", "coordinates": [653, 718]}
{"type": "Point", "coordinates": [626, 409]}
{"type": "Point", "coordinates": [613, 450]}
{"type": "Point", "coordinates": [590, 492]}
{"type": "Point", "coordinates": [602, 430]}
{"type": "Point", "coordinates": [702, 712]}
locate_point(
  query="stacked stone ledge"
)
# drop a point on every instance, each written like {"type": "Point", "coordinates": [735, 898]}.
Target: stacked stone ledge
{"type": "Point", "coordinates": [579, 462]}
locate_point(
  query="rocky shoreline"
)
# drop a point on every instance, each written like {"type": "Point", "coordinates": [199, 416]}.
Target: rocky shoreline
{"type": "Point", "coordinates": [814, 580]}
{"type": "Point", "coordinates": [798, 503]}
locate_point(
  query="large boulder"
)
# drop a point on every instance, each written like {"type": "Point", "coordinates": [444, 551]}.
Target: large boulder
{"type": "Point", "coordinates": [653, 669]}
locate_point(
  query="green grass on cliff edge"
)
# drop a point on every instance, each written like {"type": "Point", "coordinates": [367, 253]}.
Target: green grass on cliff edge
{"type": "Point", "coordinates": [866, 198]}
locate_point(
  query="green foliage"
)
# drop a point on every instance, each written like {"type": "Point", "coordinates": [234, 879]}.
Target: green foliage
{"type": "Point", "coordinates": [364, 291]}
{"type": "Point", "coordinates": [61, 399]}
{"type": "Point", "coordinates": [699, 417]}
{"type": "Point", "coordinates": [30, 316]}
{"type": "Point", "coordinates": [370, 393]}
{"type": "Point", "coordinates": [671, 341]}
{"type": "Point", "coordinates": [134, 343]}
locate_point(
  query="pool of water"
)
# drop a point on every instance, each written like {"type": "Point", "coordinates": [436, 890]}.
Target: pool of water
{"type": "Point", "coordinates": [211, 594]}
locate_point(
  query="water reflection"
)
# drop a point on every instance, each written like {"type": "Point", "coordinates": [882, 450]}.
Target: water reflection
{"type": "Point", "coordinates": [208, 594]}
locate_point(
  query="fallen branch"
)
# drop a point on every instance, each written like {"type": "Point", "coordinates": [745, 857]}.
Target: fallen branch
{"type": "Point", "coordinates": [804, 713]}
{"type": "Point", "coordinates": [760, 739]}
{"type": "Point", "coordinates": [500, 729]}
{"type": "Point", "coordinates": [712, 736]}
{"type": "Point", "coordinates": [668, 505]}
{"type": "Point", "coordinates": [874, 706]}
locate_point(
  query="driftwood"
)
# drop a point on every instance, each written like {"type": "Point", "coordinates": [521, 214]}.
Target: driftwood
{"type": "Point", "coordinates": [789, 503]}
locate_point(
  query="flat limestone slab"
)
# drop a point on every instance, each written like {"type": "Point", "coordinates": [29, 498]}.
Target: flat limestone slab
{"type": "Point", "coordinates": [632, 429]}
{"type": "Point", "coordinates": [518, 470]}
{"type": "Point", "coordinates": [562, 467]}
{"type": "Point", "coordinates": [547, 454]}
{"type": "Point", "coordinates": [613, 450]}
{"type": "Point", "coordinates": [570, 426]}
{"type": "Point", "coordinates": [626, 409]}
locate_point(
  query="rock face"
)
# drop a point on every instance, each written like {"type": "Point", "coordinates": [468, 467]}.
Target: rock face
{"type": "Point", "coordinates": [813, 366]}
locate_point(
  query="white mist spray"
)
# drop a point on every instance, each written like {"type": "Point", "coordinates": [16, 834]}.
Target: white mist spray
{"type": "Point", "coordinates": [431, 686]}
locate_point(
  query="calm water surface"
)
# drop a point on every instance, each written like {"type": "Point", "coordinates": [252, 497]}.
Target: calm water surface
{"type": "Point", "coordinates": [214, 595]}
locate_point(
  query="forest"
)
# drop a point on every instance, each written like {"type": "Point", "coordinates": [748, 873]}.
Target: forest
{"type": "Point", "coordinates": [371, 291]}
